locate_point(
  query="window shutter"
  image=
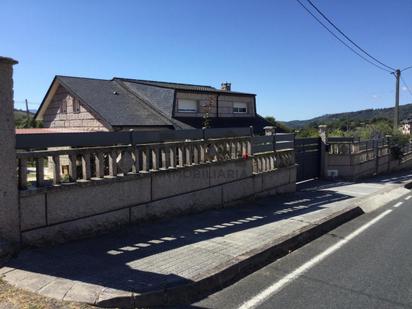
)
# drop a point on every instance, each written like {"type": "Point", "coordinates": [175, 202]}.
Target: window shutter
{"type": "Point", "coordinates": [187, 106]}
{"type": "Point", "coordinates": [239, 107]}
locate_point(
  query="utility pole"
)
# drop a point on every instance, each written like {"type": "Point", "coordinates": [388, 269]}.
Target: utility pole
{"type": "Point", "coordinates": [396, 111]}
{"type": "Point", "coordinates": [27, 109]}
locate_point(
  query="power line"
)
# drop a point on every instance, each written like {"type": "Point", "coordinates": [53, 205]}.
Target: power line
{"type": "Point", "coordinates": [406, 86]}
{"type": "Point", "coordinates": [341, 32]}
{"type": "Point", "coordinates": [340, 40]}
{"type": "Point", "coordinates": [406, 68]}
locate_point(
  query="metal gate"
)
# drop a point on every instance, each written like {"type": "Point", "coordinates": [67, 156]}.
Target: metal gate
{"type": "Point", "coordinates": [307, 155]}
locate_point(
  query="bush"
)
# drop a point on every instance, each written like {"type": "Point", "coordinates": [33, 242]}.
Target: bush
{"type": "Point", "coordinates": [397, 143]}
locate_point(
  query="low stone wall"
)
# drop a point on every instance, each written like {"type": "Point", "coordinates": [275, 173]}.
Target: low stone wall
{"type": "Point", "coordinates": [70, 211]}
{"type": "Point", "coordinates": [350, 168]}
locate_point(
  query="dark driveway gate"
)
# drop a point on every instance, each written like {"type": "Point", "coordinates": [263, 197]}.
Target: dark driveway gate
{"type": "Point", "coordinates": [307, 155]}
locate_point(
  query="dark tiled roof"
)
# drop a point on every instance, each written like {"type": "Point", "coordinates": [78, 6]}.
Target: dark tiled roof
{"type": "Point", "coordinates": [169, 85]}
{"type": "Point", "coordinates": [114, 103]}
{"type": "Point", "coordinates": [161, 98]}
{"type": "Point", "coordinates": [180, 86]}
{"type": "Point", "coordinates": [132, 102]}
{"type": "Point", "coordinates": [258, 122]}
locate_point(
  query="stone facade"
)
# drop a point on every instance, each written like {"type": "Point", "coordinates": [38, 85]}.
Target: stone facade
{"type": "Point", "coordinates": [63, 113]}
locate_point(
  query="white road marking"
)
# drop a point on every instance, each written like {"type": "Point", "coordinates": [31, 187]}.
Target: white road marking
{"type": "Point", "coordinates": [408, 197]}
{"type": "Point", "coordinates": [398, 204]}
{"type": "Point", "coordinates": [265, 294]}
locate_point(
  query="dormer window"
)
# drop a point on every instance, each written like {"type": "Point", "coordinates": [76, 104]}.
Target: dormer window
{"type": "Point", "coordinates": [239, 108]}
{"type": "Point", "coordinates": [187, 106]}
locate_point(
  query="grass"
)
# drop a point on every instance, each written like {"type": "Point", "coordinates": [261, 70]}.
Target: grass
{"type": "Point", "coordinates": [14, 298]}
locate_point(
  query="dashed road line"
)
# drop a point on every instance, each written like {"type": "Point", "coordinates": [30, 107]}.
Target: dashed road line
{"type": "Point", "coordinates": [408, 197]}
{"type": "Point", "coordinates": [274, 288]}
{"type": "Point", "coordinates": [397, 204]}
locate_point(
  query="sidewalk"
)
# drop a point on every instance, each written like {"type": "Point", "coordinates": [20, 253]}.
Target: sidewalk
{"type": "Point", "coordinates": [180, 260]}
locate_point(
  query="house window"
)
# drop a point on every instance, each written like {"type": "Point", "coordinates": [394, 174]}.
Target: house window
{"type": "Point", "coordinates": [64, 106]}
{"type": "Point", "coordinates": [239, 107]}
{"type": "Point", "coordinates": [76, 106]}
{"type": "Point", "coordinates": [187, 106]}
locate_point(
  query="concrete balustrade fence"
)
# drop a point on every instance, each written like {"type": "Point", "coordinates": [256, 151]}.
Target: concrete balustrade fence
{"type": "Point", "coordinates": [131, 184]}
{"type": "Point", "coordinates": [96, 163]}
{"type": "Point", "coordinates": [357, 159]}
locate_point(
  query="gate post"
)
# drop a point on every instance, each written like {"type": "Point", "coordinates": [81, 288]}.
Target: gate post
{"type": "Point", "coordinates": [269, 130]}
{"type": "Point", "coordinates": [9, 209]}
{"type": "Point", "coordinates": [323, 153]}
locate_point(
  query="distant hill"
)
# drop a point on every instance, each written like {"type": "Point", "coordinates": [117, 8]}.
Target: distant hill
{"type": "Point", "coordinates": [18, 113]}
{"type": "Point", "coordinates": [405, 111]}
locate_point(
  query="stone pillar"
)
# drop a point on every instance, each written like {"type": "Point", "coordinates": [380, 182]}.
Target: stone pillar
{"type": "Point", "coordinates": [269, 130]}
{"type": "Point", "coordinates": [323, 153]}
{"type": "Point", "coordinates": [9, 210]}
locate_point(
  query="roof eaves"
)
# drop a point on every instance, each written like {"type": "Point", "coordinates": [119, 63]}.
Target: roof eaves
{"type": "Point", "coordinates": [45, 97]}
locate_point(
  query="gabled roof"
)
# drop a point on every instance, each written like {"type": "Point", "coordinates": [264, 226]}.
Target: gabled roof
{"type": "Point", "coordinates": [112, 102]}
{"type": "Point", "coordinates": [131, 102]}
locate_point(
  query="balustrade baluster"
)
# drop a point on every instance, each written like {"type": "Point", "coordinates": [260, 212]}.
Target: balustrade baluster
{"type": "Point", "coordinates": [188, 149]}
{"type": "Point", "coordinates": [261, 164]}
{"type": "Point", "coordinates": [172, 154]}
{"type": "Point", "coordinates": [180, 154]}
{"type": "Point", "coordinates": [249, 147]}
{"type": "Point", "coordinates": [99, 164]}
{"type": "Point", "coordinates": [202, 152]}
{"type": "Point", "coordinates": [136, 157]}
{"type": "Point", "coordinates": [56, 170]}
{"type": "Point", "coordinates": [195, 154]}
{"type": "Point", "coordinates": [155, 158]}
{"type": "Point", "coordinates": [73, 167]}
{"type": "Point", "coordinates": [86, 168]}
{"type": "Point", "coordinates": [113, 164]}
{"type": "Point", "coordinates": [216, 152]}
{"type": "Point", "coordinates": [163, 152]}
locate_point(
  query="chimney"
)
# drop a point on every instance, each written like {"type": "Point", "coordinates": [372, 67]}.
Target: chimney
{"type": "Point", "coordinates": [225, 86]}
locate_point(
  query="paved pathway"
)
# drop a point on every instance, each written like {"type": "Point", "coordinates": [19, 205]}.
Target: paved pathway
{"type": "Point", "coordinates": [150, 257]}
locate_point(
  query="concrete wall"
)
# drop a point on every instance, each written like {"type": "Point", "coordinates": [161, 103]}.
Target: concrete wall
{"type": "Point", "coordinates": [62, 213]}
{"type": "Point", "coordinates": [349, 168]}
{"type": "Point", "coordinates": [54, 117]}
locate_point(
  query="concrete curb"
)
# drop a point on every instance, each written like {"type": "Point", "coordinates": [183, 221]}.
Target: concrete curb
{"type": "Point", "coordinates": [236, 269]}
{"type": "Point", "coordinates": [242, 266]}
{"type": "Point", "coordinates": [374, 201]}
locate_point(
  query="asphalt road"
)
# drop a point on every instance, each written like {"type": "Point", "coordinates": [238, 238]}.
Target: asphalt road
{"type": "Point", "coordinates": [366, 263]}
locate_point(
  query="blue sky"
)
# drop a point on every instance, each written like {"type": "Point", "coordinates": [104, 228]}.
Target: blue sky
{"type": "Point", "coordinates": [271, 48]}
